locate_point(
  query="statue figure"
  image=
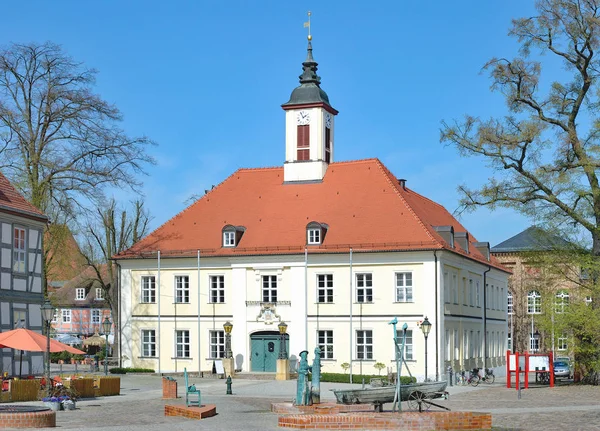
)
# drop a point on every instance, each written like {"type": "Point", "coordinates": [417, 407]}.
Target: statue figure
{"type": "Point", "coordinates": [316, 378]}
{"type": "Point", "coordinates": [302, 390]}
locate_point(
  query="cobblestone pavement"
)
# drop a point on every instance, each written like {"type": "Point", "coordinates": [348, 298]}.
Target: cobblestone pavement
{"type": "Point", "coordinates": [140, 407]}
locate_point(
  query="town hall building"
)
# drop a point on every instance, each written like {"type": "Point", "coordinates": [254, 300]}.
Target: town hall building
{"type": "Point", "coordinates": [335, 250]}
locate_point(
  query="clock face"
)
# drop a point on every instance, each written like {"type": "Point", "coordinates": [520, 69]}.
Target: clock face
{"type": "Point", "coordinates": [303, 118]}
{"type": "Point", "coordinates": [328, 120]}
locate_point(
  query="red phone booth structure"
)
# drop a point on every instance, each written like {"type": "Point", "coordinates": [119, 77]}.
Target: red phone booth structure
{"type": "Point", "coordinates": [524, 363]}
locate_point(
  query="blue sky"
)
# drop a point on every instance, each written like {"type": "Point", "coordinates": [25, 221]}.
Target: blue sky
{"type": "Point", "coordinates": [205, 80]}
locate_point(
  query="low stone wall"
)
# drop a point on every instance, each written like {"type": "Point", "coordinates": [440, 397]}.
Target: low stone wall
{"type": "Point", "coordinates": [319, 409]}
{"type": "Point", "coordinates": [411, 421]}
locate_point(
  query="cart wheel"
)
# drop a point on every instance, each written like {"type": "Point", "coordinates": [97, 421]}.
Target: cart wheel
{"type": "Point", "coordinates": [416, 399]}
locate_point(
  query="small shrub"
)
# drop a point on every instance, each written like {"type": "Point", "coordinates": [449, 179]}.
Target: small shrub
{"type": "Point", "coordinates": [345, 366]}
{"type": "Point", "coordinates": [379, 366]}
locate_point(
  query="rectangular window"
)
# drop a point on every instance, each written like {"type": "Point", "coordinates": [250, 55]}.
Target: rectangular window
{"type": "Point", "coordinates": [19, 318]}
{"type": "Point", "coordinates": [455, 288]}
{"type": "Point", "coordinates": [509, 303]}
{"type": "Point", "coordinates": [562, 342]}
{"type": "Point", "coordinates": [465, 293]}
{"type": "Point", "coordinates": [534, 343]}
{"type": "Point", "coordinates": [182, 289]}
{"type": "Point", "coordinates": [364, 344]}
{"type": "Point", "coordinates": [55, 315]}
{"type": "Point", "coordinates": [217, 344]}
{"type": "Point", "coordinates": [325, 343]}
{"type": "Point", "coordinates": [148, 343]}
{"type": "Point", "coordinates": [148, 289]}
{"type": "Point", "coordinates": [404, 291]}
{"type": "Point", "coordinates": [66, 316]}
{"type": "Point", "coordinates": [303, 140]}
{"type": "Point", "coordinates": [408, 346]}
{"type": "Point", "coordinates": [364, 287]}
{"type": "Point", "coordinates": [325, 288]}
{"type": "Point", "coordinates": [80, 293]}
{"type": "Point", "coordinates": [446, 288]}
{"type": "Point", "coordinates": [19, 250]}
{"type": "Point", "coordinates": [229, 239]}
{"type": "Point", "coordinates": [502, 299]}
{"type": "Point", "coordinates": [95, 316]}
{"type": "Point", "coordinates": [99, 294]}
{"type": "Point", "coordinates": [217, 289]}
{"type": "Point", "coordinates": [269, 289]}
{"type": "Point", "coordinates": [477, 295]}
{"type": "Point", "coordinates": [471, 293]}
{"type": "Point", "coordinates": [182, 344]}
{"type": "Point", "coordinates": [314, 236]}
{"type": "Point", "coordinates": [327, 145]}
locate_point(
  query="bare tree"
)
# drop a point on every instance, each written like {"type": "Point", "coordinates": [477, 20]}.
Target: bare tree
{"type": "Point", "coordinates": [59, 142]}
{"type": "Point", "coordinates": [112, 230]}
{"type": "Point", "coordinates": [545, 152]}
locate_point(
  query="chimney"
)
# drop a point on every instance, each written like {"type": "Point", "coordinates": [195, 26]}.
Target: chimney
{"type": "Point", "coordinates": [447, 233]}
{"type": "Point", "coordinates": [402, 182]}
{"type": "Point", "coordinates": [462, 238]}
{"type": "Point", "coordinates": [484, 248]}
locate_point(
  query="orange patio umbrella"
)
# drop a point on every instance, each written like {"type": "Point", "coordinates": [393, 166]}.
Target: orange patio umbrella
{"type": "Point", "coordinates": [27, 340]}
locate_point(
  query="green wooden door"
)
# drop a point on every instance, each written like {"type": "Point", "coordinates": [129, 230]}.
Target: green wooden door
{"type": "Point", "coordinates": [264, 352]}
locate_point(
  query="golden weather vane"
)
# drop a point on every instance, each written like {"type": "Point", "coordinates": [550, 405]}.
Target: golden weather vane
{"type": "Point", "coordinates": [307, 24]}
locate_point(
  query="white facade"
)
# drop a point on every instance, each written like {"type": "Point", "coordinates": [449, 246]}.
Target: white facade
{"type": "Point", "coordinates": [436, 289]}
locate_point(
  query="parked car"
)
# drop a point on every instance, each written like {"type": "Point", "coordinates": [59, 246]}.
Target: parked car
{"type": "Point", "coordinates": [568, 361]}
{"type": "Point", "coordinates": [561, 369]}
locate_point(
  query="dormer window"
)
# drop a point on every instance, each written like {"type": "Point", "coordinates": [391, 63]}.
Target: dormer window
{"type": "Point", "coordinates": [80, 293]}
{"type": "Point", "coordinates": [232, 235]}
{"type": "Point", "coordinates": [99, 294]}
{"type": "Point", "coordinates": [315, 233]}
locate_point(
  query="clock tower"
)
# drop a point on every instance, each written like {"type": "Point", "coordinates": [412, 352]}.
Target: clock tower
{"type": "Point", "coordinates": [309, 122]}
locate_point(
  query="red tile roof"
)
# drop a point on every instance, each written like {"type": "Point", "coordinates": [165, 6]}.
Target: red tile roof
{"type": "Point", "coordinates": [363, 204]}
{"type": "Point", "coordinates": [12, 201]}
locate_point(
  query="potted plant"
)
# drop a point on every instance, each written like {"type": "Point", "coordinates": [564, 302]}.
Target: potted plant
{"type": "Point", "coordinates": [61, 398]}
{"type": "Point", "coordinates": [53, 403]}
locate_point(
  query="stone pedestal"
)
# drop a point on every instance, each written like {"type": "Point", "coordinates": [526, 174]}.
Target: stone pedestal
{"type": "Point", "coordinates": [283, 369]}
{"type": "Point", "coordinates": [229, 367]}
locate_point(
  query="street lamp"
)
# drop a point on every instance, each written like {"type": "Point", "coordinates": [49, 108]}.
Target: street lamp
{"type": "Point", "coordinates": [228, 326]}
{"type": "Point", "coordinates": [426, 327]}
{"type": "Point", "coordinates": [282, 350]}
{"type": "Point", "coordinates": [106, 326]}
{"type": "Point", "coordinates": [47, 315]}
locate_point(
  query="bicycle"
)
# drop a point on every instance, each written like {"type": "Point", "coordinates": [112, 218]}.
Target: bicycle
{"type": "Point", "coordinates": [461, 379]}
{"type": "Point", "coordinates": [473, 379]}
{"type": "Point", "coordinates": [488, 377]}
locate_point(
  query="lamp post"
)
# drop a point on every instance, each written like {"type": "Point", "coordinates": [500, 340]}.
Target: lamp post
{"type": "Point", "coordinates": [282, 349]}
{"type": "Point", "coordinates": [47, 314]}
{"type": "Point", "coordinates": [106, 327]}
{"type": "Point", "coordinates": [228, 326]}
{"type": "Point", "coordinates": [426, 327]}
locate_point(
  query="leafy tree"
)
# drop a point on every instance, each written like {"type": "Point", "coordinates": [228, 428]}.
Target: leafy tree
{"type": "Point", "coordinates": [379, 366]}
{"type": "Point", "coordinates": [545, 152]}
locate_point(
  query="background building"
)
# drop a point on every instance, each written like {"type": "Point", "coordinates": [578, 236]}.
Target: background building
{"type": "Point", "coordinates": [334, 250]}
{"type": "Point", "coordinates": [21, 274]}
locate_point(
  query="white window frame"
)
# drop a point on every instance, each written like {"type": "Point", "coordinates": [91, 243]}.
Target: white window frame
{"type": "Point", "coordinates": [80, 294]}
{"type": "Point", "coordinates": [534, 344]}
{"type": "Point", "coordinates": [364, 344]}
{"type": "Point", "coordinates": [55, 315]}
{"type": "Point", "coordinates": [404, 286]}
{"type": "Point", "coordinates": [509, 303]}
{"type": "Point", "coordinates": [148, 341]}
{"type": "Point", "coordinates": [148, 289]}
{"type": "Point", "coordinates": [325, 343]}
{"type": "Point", "coordinates": [66, 315]}
{"type": "Point", "coordinates": [182, 344]}
{"type": "Point", "coordinates": [534, 302]}
{"type": "Point", "coordinates": [182, 289]}
{"type": "Point", "coordinates": [325, 288]}
{"type": "Point", "coordinates": [216, 342]}
{"type": "Point", "coordinates": [96, 315]}
{"type": "Point", "coordinates": [19, 250]}
{"type": "Point", "coordinates": [409, 353]}
{"type": "Point", "coordinates": [588, 300]}
{"type": "Point", "coordinates": [313, 236]}
{"type": "Point", "coordinates": [364, 287]}
{"type": "Point", "coordinates": [269, 288]}
{"type": "Point", "coordinates": [229, 238]}
{"type": "Point", "coordinates": [561, 301]}
{"type": "Point", "coordinates": [562, 342]}
{"type": "Point", "coordinates": [99, 294]}
{"type": "Point", "coordinates": [216, 289]}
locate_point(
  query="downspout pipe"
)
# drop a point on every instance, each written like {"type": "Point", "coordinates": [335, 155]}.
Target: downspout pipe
{"type": "Point", "coordinates": [351, 298]}
{"type": "Point", "coordinates": [485, 341]}
{"type": "Point", "coordinates": [437, 319]}
{"type": "Point", "coordinates": [119, 313]}
{"type": "Point", "coordinates": [158, 309]}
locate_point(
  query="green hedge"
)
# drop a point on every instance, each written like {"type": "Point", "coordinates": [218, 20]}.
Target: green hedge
{"type": "Point", "coordinates": [118, 370]}
{"type": "Point", "coordinates": [357, 378]}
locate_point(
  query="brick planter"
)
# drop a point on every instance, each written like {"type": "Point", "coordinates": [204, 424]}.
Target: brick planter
{"type": "Point", "coordinates": [22, 417]}
{"type": "Point", "coordinates": [169, 387]}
